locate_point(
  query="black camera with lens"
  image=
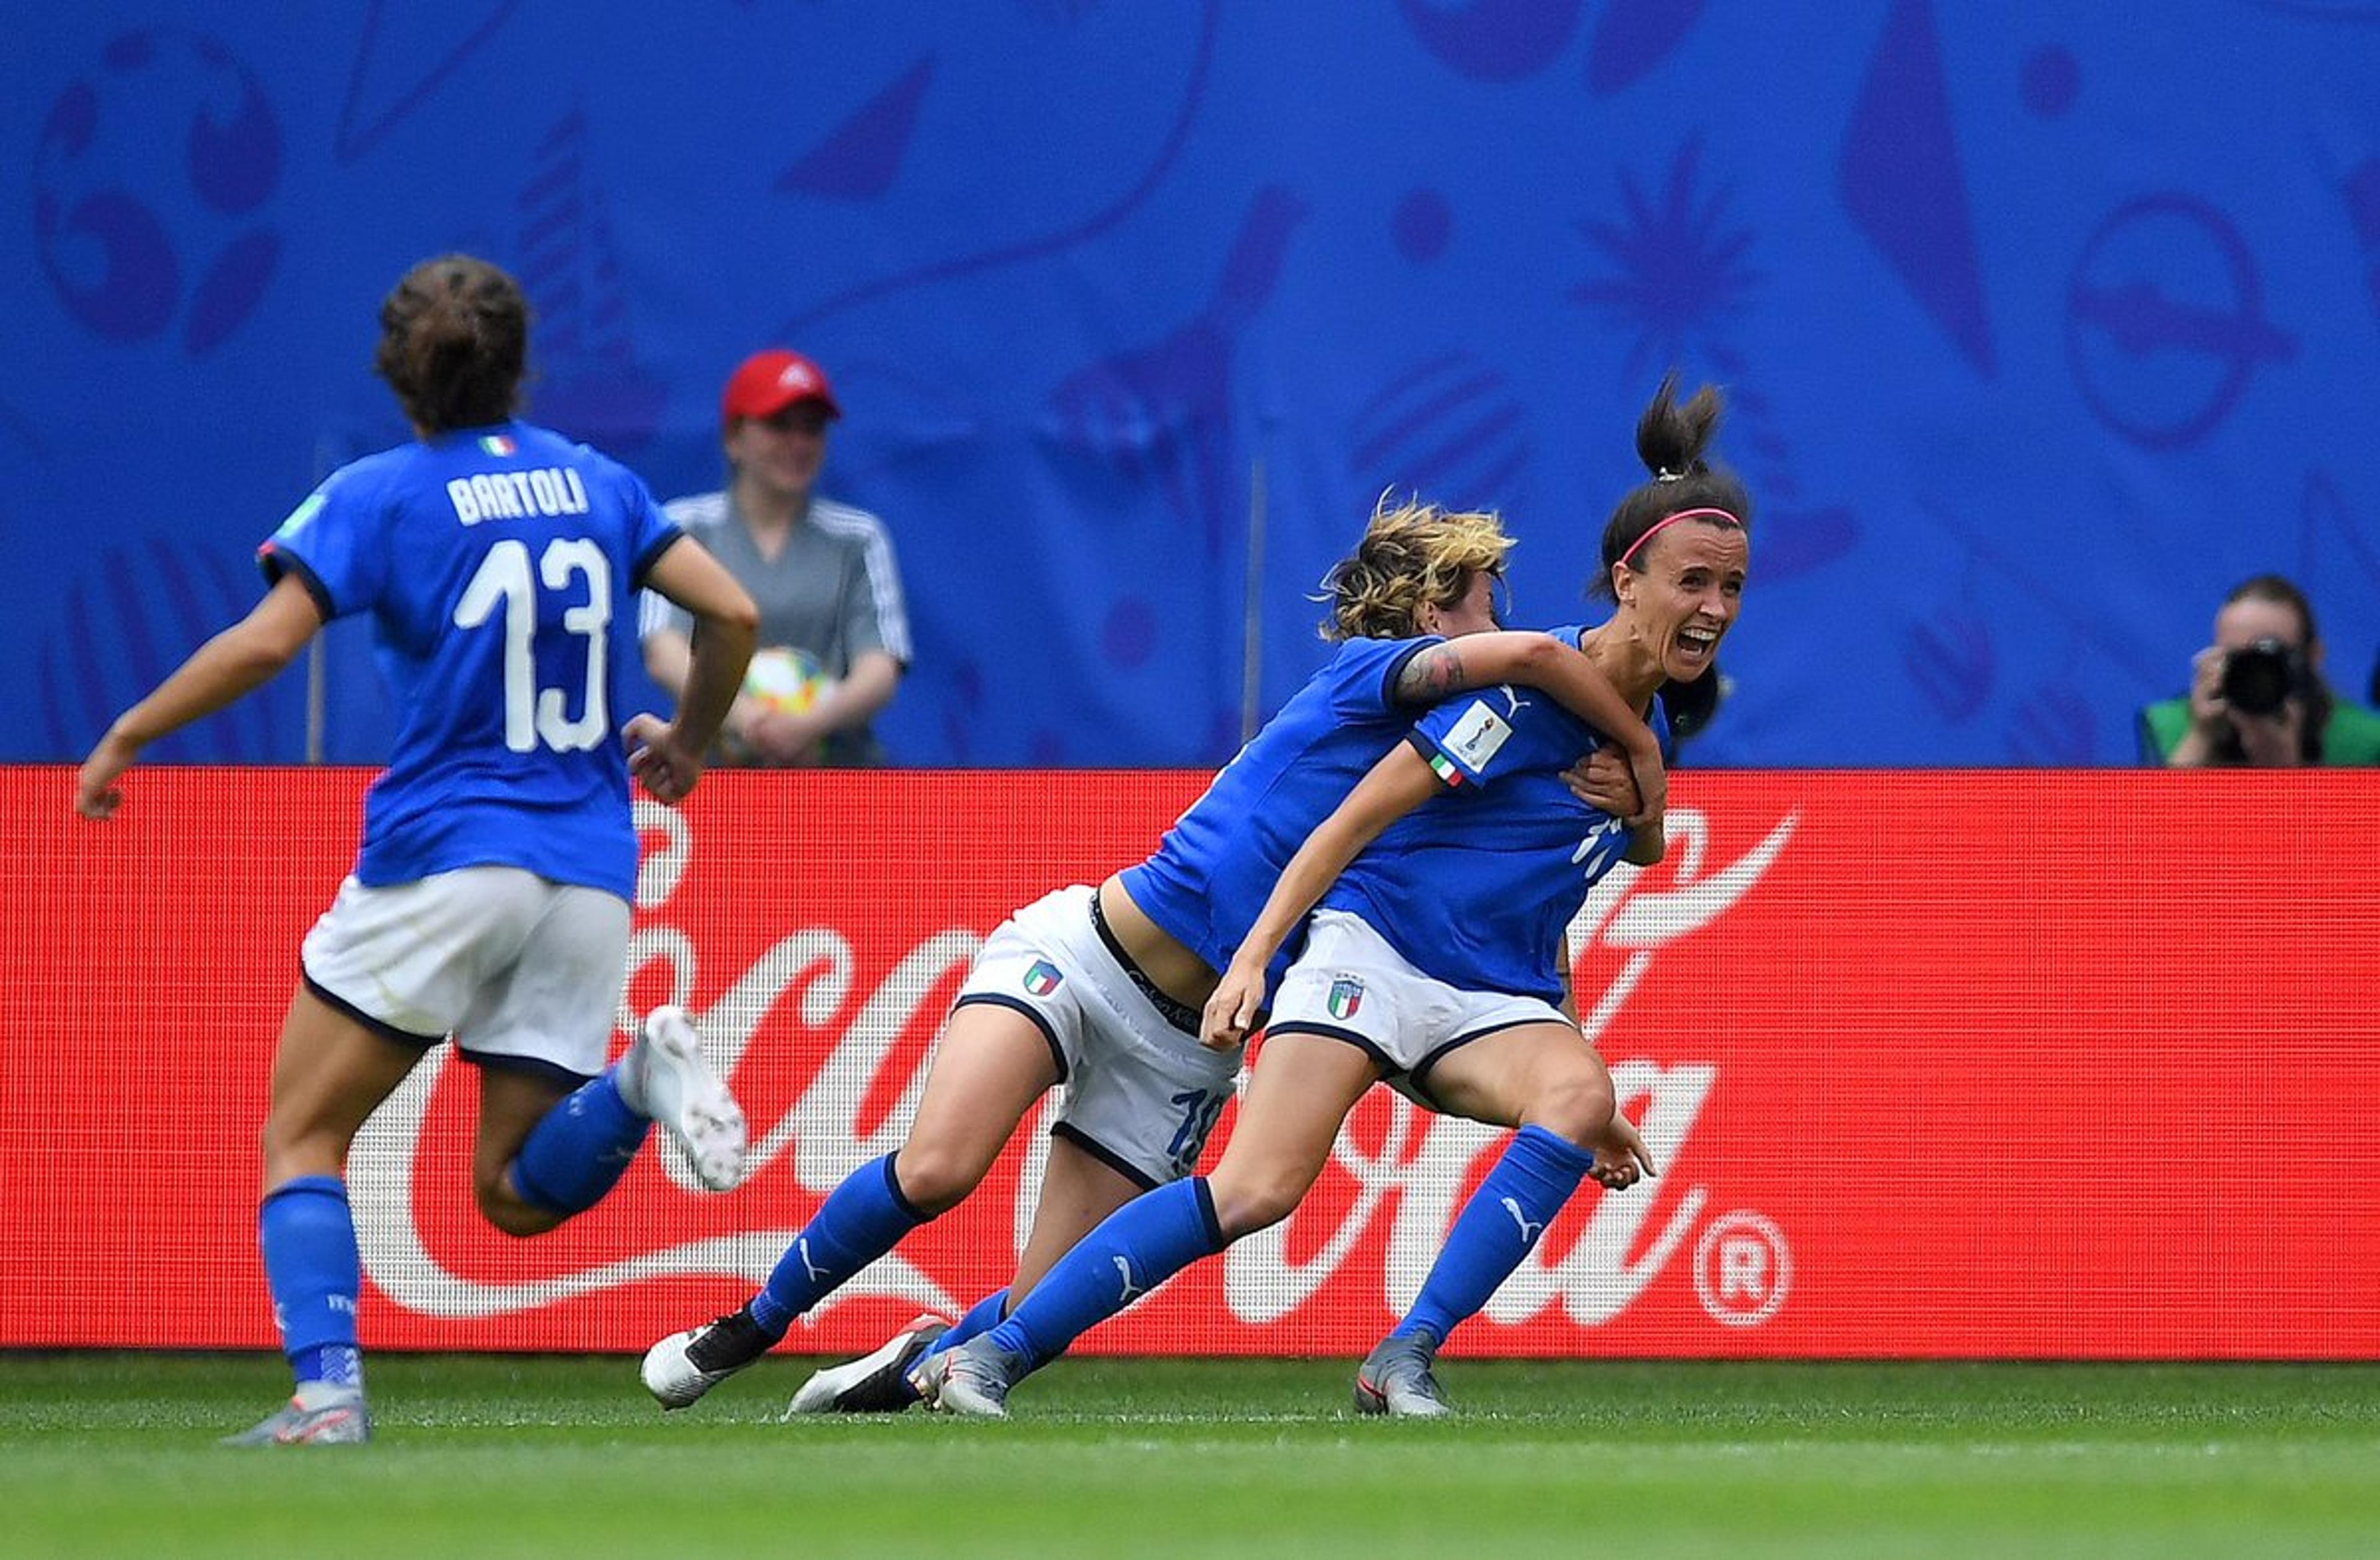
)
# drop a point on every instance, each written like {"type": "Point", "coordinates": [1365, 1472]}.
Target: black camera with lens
{"type": "Point", "coordinates": [2259, 678]}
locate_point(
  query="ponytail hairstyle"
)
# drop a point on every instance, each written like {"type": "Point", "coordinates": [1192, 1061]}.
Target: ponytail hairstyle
{"type": "Point", "coordinates": [454, 343]}
{"type": "Point", "coordinates": [1685, 486]}
{"type": "Point", "coordinates": [1412, 554]}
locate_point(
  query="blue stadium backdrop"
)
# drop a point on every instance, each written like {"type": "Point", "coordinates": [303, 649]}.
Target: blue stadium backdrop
{"type": "Point", "coordinates": [2044, 322]}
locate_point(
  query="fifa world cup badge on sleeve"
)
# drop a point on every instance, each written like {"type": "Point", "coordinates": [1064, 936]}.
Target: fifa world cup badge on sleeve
{"type": "Point", "coordinates": [1479, 735]}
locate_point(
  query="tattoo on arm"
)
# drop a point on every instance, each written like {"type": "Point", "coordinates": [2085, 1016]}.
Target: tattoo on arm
{"type": "Point", "coordinates": [1431, 675]}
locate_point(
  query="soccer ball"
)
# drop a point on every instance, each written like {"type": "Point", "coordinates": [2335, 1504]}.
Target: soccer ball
{"type": "Point", "coordinates": [150, 183]}
{"type": "Point", "coordinates": [788, 682]}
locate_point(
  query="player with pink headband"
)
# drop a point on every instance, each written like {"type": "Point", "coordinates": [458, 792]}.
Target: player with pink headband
{"type": "Point", "coordinates": [1718, 516]}
{"type": "Point", "coordinates": [1435, 903]}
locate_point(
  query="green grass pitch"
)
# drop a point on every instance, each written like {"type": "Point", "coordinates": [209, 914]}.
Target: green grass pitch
{"type": "Point", "coordinates": [114, 1454]}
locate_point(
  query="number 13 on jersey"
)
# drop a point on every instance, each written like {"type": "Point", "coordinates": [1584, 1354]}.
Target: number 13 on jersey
{"type": "Point", "coordinates": [505, 580]}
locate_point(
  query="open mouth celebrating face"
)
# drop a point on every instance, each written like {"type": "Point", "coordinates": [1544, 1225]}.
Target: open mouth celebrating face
{"type": "Point", "coordinates": [1691, 652]}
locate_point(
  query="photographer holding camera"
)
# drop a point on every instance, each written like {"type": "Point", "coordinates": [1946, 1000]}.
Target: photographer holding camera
{"type": "Point", "coordinates": [2257, 699]}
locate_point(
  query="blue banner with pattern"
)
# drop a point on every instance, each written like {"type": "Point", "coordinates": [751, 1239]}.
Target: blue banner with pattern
{"type": "Point", "coordinates": [2043, 325]}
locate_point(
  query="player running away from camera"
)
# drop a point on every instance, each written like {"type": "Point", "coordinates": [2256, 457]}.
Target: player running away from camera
{"type": "Point", "coordinates": [1437, 961]}
{"type": "Point", "coordinates": [1100, 989]}
{"type": "Point", "coordinates": [499, 564]}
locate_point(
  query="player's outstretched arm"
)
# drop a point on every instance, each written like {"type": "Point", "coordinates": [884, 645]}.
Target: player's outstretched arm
{"type": "Point", "coordinates": [668, 758]}
{"type": "Point", "coordinates": [667, 657]}
{"type": "Point", "coordinates": [1402, 781]}
{"type": "Point", "coordinates": [242, 658]}
{"type": "Point", "coordinates": [1542, 662]}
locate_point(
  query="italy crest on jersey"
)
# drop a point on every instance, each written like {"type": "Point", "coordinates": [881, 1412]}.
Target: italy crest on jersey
{"type": "Point", "coordinates": [1346, 997]}
{"type": "Point", "coordinates": [1042, 977]}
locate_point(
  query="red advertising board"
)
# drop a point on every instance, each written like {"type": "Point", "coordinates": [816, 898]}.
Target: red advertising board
{"type": "Point", "coordinates": [1942, 1064]}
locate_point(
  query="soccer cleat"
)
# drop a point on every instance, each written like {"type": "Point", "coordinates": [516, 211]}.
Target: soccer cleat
{"type": "Point", "coordinates": [332, 1418]}
{"type": "Point", "coordinates": [873, 1384]}
{"type": "Point", "coordinates": [684, 1366]}
{"type": "Point", "coordinates": [678, 1089]}
{"type": "Point", "coordinates": [973, 1378]}
{"type": "Point", "coordinates": [1395, 1380]}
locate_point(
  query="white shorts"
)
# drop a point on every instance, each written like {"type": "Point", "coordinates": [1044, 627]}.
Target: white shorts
{"type": "Point", "coordinates": [1350, 984]}
{"type": "Point", "coordinates": [1141, 1094]}
{"type": "Point", "coordinates": [522, 972]}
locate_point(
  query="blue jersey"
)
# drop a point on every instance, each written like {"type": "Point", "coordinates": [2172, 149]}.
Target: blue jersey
{"type": "Point", "coordinates": [1477, 887]}
{"type": "Point", "coordinates": [500, 567]}
{"type": "Point", "coordinates": [1216, 867]}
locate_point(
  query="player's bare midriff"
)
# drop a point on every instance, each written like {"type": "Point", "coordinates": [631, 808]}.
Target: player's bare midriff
{"type": "Point", "coordinates": [1175, 970]}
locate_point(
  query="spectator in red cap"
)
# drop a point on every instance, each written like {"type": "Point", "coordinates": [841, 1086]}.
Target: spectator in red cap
{"type": "Point", "coordinates": [834, 630]}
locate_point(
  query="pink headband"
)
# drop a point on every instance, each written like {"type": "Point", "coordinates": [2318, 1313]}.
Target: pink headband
{"type": "Point", "coordinates": [1667, 520]}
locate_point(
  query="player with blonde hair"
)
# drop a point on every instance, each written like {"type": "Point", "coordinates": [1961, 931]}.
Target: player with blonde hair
{"type": "Point", "coordinates": [1446, 879]}
{"type": "Point", "coordinates": [1100, 988]}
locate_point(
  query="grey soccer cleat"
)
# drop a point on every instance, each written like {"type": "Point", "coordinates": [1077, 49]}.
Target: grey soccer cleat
{"type": "Point", "coordinates": [1395, 1380]}
{"type": "Point", "coordinates": [973, 1378]}
{"type": "Point", "coordinates": [314, 1418]}
{"type": "Point", "coordinates": [873, 1384]}
{"type": "Point", "coordinates": [684, 1366]}
{"type": "Point", "coordinates": [679, 1089]}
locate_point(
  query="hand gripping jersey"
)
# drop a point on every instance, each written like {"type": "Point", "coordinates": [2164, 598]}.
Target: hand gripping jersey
{"type": "Point", "coordinates": [500, 567]}
{"type": "Point", "coordinates": [1215, 868]}
{"type": "Point", "coordinates": [1477, 886]}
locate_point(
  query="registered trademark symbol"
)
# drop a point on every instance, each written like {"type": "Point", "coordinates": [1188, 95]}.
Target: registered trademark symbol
{"type": "Point", "coordinates": [1742, 1269]}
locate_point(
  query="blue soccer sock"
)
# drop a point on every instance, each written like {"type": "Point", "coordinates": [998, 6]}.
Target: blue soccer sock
{"type": "Point", "coordinates": [579, 1150]}
{"type": "Point", "coordinates": [310, 1265]}
{"type": "Point", "coordinates": [1137, 1248]}
{"type": "Point", "coordinates": [860, 1221]}
{"type": "Point", "coordinates": [981, 1317]}
{"type": "Point", "coordinates": [1496, 1229]}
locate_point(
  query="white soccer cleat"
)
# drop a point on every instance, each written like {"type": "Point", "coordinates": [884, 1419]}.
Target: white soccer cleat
{"type": "Point", "coordinates": [877, 1382]}
{"type": "Point", "coordinates": [317, 1416]}
{"type": "Point", "coordinates": [675, 1087]}
{"type": "Point", "coordinates": [684, 1366]}
{"type": "Point", "coordinates": [1395, 1380]}
{"type": "Point", "coordinates": [973, 1380]}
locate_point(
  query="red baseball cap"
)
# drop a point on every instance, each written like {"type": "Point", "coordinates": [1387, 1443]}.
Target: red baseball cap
{"type": "Point", "coordinates": [767, 383]}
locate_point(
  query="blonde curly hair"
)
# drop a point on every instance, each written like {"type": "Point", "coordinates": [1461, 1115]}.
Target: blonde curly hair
{"type": "Point", "coordinates": [1412, 554]}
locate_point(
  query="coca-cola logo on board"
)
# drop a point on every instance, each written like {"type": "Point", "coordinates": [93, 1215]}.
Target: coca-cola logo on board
{"type": "Point", "coordinates": [1412, 1178]}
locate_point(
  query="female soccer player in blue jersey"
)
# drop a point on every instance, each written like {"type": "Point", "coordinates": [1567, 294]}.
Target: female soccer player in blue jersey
{"type": "Point", "coordinates": [1100, 989]}
{"type": "Point", "coordinates": [1436, 961]}
{"type": "Point", "coordinates": [499, 563]}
